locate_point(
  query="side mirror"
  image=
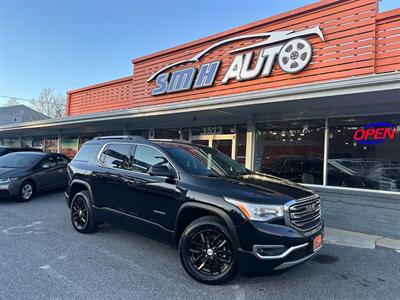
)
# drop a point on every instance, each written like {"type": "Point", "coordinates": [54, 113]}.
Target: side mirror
{"type": "Point", "coordinates": [163, 171]}
{"type": "Point", "coordinates": [46, 166]}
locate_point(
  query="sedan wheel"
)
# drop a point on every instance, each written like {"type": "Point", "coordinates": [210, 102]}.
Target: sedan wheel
{"type": "Point", "coordinates": [26, 192]}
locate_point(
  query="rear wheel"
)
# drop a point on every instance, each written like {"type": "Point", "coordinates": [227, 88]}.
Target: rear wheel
{"type": "Point", "coordinates": [82, 216]}
{"type": "Point", "coordinates": [26, 191]}
{"type": "Point", "coordinates": [206, 251]}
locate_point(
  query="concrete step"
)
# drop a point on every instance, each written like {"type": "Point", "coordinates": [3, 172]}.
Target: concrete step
{"type": "Point", "coordinates": [359, 240]}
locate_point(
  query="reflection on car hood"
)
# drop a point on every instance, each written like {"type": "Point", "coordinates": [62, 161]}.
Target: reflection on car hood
{"type": "Point", "coordinates": [259, 188]}
{"type": "Point", "coordinates": [11, 172]}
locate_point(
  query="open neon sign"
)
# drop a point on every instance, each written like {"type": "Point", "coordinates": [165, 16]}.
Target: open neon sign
{"type": "Point", "coordinates": [375, 133]}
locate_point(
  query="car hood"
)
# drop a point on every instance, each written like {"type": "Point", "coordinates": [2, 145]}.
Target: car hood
{"type": "Point", "coordinates": [11, 172]}
{"type": "Point", "coordinates": [258, 188]}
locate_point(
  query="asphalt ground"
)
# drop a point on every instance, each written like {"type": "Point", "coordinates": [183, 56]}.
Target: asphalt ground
{"type": "Point", "coordinates": [43, 257]}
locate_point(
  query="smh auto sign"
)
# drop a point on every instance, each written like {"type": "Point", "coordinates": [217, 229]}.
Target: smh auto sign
{"type": "Point", "coordinates": [291, 49]}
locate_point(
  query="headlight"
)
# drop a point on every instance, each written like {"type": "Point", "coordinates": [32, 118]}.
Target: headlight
{"type": "Point", "coordinates": [7, 180]}
{"type": "Point", "coordinates": [257, 212]}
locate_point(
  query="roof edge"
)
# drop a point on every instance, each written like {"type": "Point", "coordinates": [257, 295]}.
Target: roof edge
{"type": "Point", "coordinates": [104, 83]}
{"type": "Point", "coordinates": [388, 14]}
{"type": "Point", "coordinates": [270, 95]}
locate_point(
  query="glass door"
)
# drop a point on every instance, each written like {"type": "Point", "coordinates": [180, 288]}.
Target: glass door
{"type": "Point", "coordinates": [226, 143]}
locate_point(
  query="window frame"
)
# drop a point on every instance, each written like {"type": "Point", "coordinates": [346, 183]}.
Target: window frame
{"type": "Point", "coordinates": [106, 146]}
{"type": "Point", "coordinates": [45, 159]}
{"type": "Point", "coordinates": [132, 154]}
{"type": "Point", "coordinates": [57, 156]}
{"type": "Point", "coordinates": [163, 154]}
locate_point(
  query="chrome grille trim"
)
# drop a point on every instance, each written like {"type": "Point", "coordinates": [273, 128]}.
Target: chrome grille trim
{"type": "Point", "coordinates": [303, 214]}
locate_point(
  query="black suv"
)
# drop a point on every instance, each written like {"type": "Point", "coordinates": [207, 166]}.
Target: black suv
{"type": "Point", "coordinates": [221, 216]}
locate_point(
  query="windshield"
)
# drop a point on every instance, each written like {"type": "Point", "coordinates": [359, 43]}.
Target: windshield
{"type": "Point", "coordinates": [204, 161]}
{"type": "Point", "coordinates": [19, 160]}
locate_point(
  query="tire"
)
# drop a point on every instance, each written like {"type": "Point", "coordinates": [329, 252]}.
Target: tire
{"type": "Point", "coordinates": [214, 266]}
{"type": "Point", "coordinates": [82, 217]}
{"type": "Point", "coordinates": [26, 191]}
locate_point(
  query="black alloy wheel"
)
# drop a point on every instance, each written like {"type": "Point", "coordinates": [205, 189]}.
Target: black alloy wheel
{"type": "Point", "coordinates": [81, 213]}
{"type": "Point", "coordinates": [206, 251]}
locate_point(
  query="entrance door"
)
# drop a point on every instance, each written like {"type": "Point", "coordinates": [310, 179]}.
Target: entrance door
{"type": "Point", "coordinates": [226, 143]}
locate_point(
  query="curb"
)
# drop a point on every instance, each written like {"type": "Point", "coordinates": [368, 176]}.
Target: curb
{"type": "Point", "coordinates": [359, 240]}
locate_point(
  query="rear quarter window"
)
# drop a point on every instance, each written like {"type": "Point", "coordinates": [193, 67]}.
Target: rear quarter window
{"type": "Point", "coordinates": [87, 152]}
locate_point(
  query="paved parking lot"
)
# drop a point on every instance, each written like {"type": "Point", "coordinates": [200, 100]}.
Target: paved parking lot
{"type": "Point", "coordinates": [43, 257]}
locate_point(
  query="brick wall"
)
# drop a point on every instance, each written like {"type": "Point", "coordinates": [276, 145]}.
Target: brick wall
{"type": "Point", "coordinates": [363, 211]}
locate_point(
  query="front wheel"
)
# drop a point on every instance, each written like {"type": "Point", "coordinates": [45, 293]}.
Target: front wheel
{"type": "Point", "coordinates": [82, 216]}
{"type": "Point", "coordinates": [206, 251]}
{"type": "Point", "coordinates": [26, 191]}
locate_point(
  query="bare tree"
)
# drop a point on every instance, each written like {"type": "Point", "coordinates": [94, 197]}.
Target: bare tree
{"type": "Point", "coordinates": [49, 103]}
{"type": "Point", "coordinates": [11, 102]}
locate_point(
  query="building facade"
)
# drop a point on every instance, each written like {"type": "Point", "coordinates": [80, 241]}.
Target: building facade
{"type": "Point", "coordinates": [311, 95]}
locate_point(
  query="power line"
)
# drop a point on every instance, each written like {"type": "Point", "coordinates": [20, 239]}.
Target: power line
{"type": "Point", "coordinates": [17, 98]}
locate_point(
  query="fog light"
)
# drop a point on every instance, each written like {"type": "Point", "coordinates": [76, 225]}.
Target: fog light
{"type": "Point", "coordinates": [271, 251]}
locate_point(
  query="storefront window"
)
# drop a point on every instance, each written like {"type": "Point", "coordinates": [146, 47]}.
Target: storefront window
{"type": "Point", "coordinates": [110, 133]}
{"type": "Point", "coordinates": [185, 133]}
{"type": "Point", "coordinates": [293, 150]}
{"type": "Point", "coordinates": [26, 142]}
{"type": "Point", "coordinates": [167, 133]}
{"type": "Point", "coordinates": [241, 134]}
{"type": "Point", "coordinates": [140, 132]}
{"type": "Point", "coordinates": [10, 141]}
{"type": "Point", "coordinates": [69, 146]}
{"type": "Point", "coordinates": [364, 153]}
{"type": "Point", "coordinates": [51, 144]}
{"type": "Point", "coordinates": [86, 137]}
{"type": "Point", "coordinates": [212, 130]}
{"type": "Point", "coordinates": [38, 142]}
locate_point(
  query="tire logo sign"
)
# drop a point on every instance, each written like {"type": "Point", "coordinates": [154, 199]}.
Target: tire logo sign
{"type": "Point", "coordinates": [292, 51]}
{"type": "Point", "coordinates": [295, 55]}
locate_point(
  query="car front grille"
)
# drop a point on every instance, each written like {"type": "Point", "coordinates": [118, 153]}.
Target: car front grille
{"type": "Point", "coordinates": [304, 214]}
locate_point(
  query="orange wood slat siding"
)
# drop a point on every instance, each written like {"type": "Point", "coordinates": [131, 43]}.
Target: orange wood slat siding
{"type": "Point", "coordinates": [116, 94]}
{"type": "Point", "coordinates": [358, 41]}
{"type": "Point", "coordinates": [387, 58]}
{"type": "Point", "coordinates": [349, 28]}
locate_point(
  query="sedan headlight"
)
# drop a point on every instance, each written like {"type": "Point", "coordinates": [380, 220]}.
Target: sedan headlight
{"type": "Point", "coordinates": [7, 180]}
{"type": "Point", "coordinates": [257, 212]}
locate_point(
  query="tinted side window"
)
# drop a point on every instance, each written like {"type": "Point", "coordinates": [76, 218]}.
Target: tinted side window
{"type": "Point", "coordinates": [51, 161]}
{"type": "Point", "coordinates": [117, 156]}
{"type": "Point", "coordinates": [62, 160]}
{"type": "Point", "coordinates": [145, 157]}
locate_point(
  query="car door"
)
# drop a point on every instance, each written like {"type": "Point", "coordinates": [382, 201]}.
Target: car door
{"type": "Point", "coordinates": [62, 176]}
{"type": "Point", "coordinates": [111, 189]}
{"type": "Point", "coordinates": [152, 198]}
{"type": "Point", "coordinates": [46, 176]}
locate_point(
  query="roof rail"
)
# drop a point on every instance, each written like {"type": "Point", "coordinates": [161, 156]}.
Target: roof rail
{"type": "Point", "coordinates": [119, 137]}
{"type": "Point", "coordinates": [170, 140]}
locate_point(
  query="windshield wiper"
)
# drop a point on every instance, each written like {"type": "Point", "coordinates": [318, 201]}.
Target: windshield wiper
{"type": "Point", "coordinates": [213, 175]}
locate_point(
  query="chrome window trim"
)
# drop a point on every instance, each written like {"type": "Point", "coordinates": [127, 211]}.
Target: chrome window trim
{"type": "Point", "coordinates": [177, 177]}
{"type": "Point", "coordinates": [282, 255]}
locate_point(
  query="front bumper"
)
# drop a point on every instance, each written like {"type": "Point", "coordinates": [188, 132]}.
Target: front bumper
{"type": "Point", "coordinates": [9, 189]}
{"type": "Point", "coordinates": [267, 247]}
